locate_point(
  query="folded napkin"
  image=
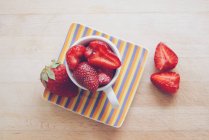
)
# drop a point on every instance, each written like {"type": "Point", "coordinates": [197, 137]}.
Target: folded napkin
{"type": "Point", "coordinates": [96, 105]}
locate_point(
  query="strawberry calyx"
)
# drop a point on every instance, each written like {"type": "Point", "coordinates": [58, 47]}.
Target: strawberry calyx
{"type": "Point", "coordinates": [47, 72]}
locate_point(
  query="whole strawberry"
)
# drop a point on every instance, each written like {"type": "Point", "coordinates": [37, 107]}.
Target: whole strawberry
{"type": "Point", "coordinates": [87, 76]}
{"type": "Point", "coordinates": [104, 79]}
{"type": "Point", "coordinates": [56, 80]}
{"type": "Point", "coordinates": [105, 76]}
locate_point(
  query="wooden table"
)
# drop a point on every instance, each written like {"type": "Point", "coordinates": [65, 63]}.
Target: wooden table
{"type": "Point", "coordinates": [33, 32]}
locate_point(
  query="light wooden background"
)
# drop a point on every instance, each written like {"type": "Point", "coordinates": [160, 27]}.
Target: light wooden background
{"type": "Point", "coordinates": [32, 33]}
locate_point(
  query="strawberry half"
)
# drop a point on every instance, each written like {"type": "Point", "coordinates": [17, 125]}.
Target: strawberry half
{"type": "Point", "coordinates": [104, 60]}
{"type": "Point", "coordinates": [74, 55]}
{"type": "Point", "coordinates": [55, 78]}
{"type": "Point", "coordinates": [87, 76]}
{"type": "Point", "coordinates": [97, 44]}
{"type": "Point", "coordinates": [166, 81]}
{"type": "Point", "coordinates": [165, 58]}
{"type": "Point", "coordinates": [88, 52]}
{"type": "Point", "coordinates": [102, 56]}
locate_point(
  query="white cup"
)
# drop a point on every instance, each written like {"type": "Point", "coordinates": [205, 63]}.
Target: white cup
{"type": "Point", "coordinates": [107, 88]}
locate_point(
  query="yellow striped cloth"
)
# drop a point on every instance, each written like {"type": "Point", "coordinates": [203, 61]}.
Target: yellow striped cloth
{"type": "Point", "coordinates": [96, 105]}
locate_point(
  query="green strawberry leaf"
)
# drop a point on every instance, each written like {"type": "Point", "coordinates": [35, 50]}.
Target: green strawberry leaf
{"type": "Point", "coordinates": [50, 73]}
{"type": "Point", "coordinates": [54, 64]}
{"type": "Point", "coordinates": [44, 83]}
{"type": "Point", "coordinates": [44, 76]}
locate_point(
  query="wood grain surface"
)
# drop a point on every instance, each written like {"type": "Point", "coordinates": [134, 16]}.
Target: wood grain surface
{"type": "Point", "coordinates": [33, 32]}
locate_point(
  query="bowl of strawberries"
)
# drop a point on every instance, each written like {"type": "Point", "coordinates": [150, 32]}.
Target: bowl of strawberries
{"type": "Point", "coordinates": [93, 63]}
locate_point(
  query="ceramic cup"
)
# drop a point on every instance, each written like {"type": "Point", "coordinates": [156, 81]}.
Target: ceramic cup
{"type": "Point", "coordinates": [107, 88]}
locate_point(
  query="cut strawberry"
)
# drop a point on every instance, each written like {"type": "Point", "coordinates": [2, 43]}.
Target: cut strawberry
{"type": "Point", "coordinates": [102, 56]}
{"type": "Point", "coordinates": [100, 46]}
{"type": "Point", "coordinates": [165, 59]}
{"type": "Point", "coordinates": [166, 81]}
{"type": "Point", "coordinates": [88, 52]}
{"type": "Point", "coordinates": [96, 44]}
{"type": "Point", "coordinates": [104, 60]}
{"type": "Point", "coordinates": [74, 56]}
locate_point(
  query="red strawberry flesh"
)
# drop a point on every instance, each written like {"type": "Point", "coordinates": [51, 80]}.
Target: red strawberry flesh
{"type": "Point", "coordinates": [166, 81]}
{"type": "Point", "coordinates": [165, 58]}
{"type": "Point", "coordinates": [74, 56]}
{"type": "Point", "coordinates": [103, 56]}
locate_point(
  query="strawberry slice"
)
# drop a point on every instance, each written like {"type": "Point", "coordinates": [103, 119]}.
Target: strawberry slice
{"type": "Point", "coordinates": [165, 58]}
{"type": "Point", "coordinates": [102, 56]}
{"type": "Point", "coordinates": [100, 46]}
{"type": "Point", "coordinates": [168, 82]}
{"type": "Point", "coordinates": [88, 52]}
{"type": "Point", "coordinates": [74, 56]}
{"type": "Point", "coordinates": [97, 44]}
{"type": "Point", "coordinates": [104, 60]}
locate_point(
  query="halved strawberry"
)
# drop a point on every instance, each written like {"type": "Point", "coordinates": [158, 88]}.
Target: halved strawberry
{"type": "Point", "coordinates": [104, 60]}
{"type": "Point", "coordinates": [166, 81]}
{"type": "Point", "coordinates": [74, 55]}
{"type": "Point", "coordinates": [88, 52]}
{"type": "Point", "coordinates": [101, 55]}
{"type": "Point", "coordinates": [165, 58]}
{"type": "Point", "coordinates": [100, 46]}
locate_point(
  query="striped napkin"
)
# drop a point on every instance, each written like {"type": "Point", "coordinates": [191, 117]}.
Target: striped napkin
{"type": "Point", "coordinates": [96, 105]}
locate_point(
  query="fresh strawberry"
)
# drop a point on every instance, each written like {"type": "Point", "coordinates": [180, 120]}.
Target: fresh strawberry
{"type": "Point", "coordinates": [108, 72]}
{"type": "Point", "coordinates": [165, 59]}
{"type": "Point", "coordinates": [104, 60]}
{"type": "Point", "coordinates": [104, 79]}
{"type": "Point", "coordinates": [88, 52]}
{"type": "Point", "coordinates": [166, 81]}
{"type": "Point", "coordinates": [55, 78]}
{"type": "Point", "coordinates": [74, 55]}
{"type": "Point", "coordinates": [101, 55]}
{"type": "Point", "coordinates": [97, 44]}
{"type": "Point", "coordinates": [87, 76]}
{"type": "Point", "coordinates": [100, 46]}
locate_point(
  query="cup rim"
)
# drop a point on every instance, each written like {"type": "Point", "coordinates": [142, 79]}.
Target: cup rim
{"type": "Point", "coordinates": [114, 49]}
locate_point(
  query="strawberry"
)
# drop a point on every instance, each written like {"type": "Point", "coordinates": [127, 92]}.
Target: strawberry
{"type": "Point", "coordinates": [104, 60]}
{"type": "Point", "coordinates": [102, 56]}
{"type": "Point", "coordinates": [97, 44]}
{"type": "Point", "coordinates": [74, 56]}
{"type": "Point", "coordinates": [104, 79]}
{"type": "Point", "coordinates": [87, 76]}
{"type": "Point", "coordinates": [88, 52]}
{"type": "Point", "coordinates": [166, 81]}
{"type": "Point", "coordinates": [165, 59]}
{"type": "Point", "coordinates": [108, 72]}
{"type": "Point", "coordinates": [56, 80]}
